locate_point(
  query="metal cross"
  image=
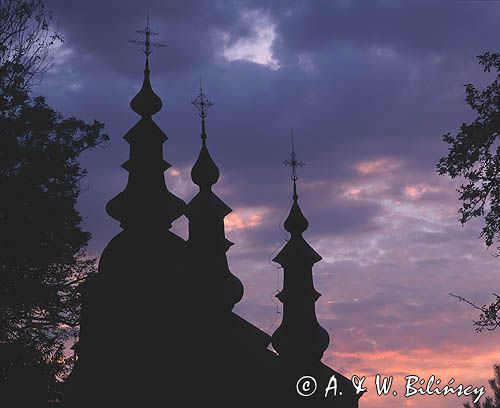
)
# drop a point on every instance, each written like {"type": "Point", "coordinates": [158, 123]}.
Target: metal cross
{"type": "Point", "coordinates": [147, 42]}
{"type": "Point", "coordinates": [201, 103]}
{"type": "Point", "coordinates": [293, 162]}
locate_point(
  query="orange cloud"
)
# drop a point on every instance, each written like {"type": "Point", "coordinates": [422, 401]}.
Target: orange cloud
{"type": "Point", "coordinates": [366, 190]}
{"type": "Point", "coordinates": [352, 192]}
{"type": "Point", "coordinates": [415, 191]}
{"type": "Point", "coordinates": [375, 166]}
{"type": "Point", "coordinates": [244, 218]}
{"type": "Point", "coordinates": [179, 182]}
{"type": "Point", "coordinates": [175, 173]}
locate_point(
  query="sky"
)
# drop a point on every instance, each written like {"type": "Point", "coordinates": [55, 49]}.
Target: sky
{"type": "Point", "coordinates": [368, 89]}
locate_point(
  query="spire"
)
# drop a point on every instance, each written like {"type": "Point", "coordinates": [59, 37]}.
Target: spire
{"type": "Point", "coordinates": [206, 213]}
{"type": "Point", "coordinates": [146, 102]}
{"type": "Point", "coordinates": [204, 172]}
{"type": "Point", "coordinates": [202, 104]}
{"type": "Point", "coordinates": [299, 337]}
{"type": "Point", "coordinates": [146, 196]}
{"type": "Point", "coordinates": [141, 276]}
{"type": "Point", "coordinates": [295, 223]}
{"type": "Point", "coordinates": [294, 163]}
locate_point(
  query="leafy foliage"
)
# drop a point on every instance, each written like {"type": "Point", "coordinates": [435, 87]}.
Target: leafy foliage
{"type": "Point", "coordinates": [474, 155]}
{"type": "Point", "coordinates": [42, 258]}
{"type": "Point", "coordinates": [489, 318]}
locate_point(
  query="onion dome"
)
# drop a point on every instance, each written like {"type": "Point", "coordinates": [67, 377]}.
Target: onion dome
{"type": "Point", "coordinates": [146, 102]}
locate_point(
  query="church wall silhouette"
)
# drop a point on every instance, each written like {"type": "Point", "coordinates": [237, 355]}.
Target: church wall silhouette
{"type": "Point", "coordinates": [157, 321]}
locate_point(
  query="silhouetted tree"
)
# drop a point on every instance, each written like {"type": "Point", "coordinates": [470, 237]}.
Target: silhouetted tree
{"type": "Point", "coordinates": [42, 244]}
{"type": "Point", "coordinates": [474, 156]}
{"type": "Point", "coordinates": [490, 402]}
{"type": "Point", "coordinates": [26, 40]}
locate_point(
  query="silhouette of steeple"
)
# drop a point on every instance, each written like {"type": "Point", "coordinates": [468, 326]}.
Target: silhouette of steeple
{"type": "Point", "coordinates": [206, 213]}
{"type": "Point", "coordinates": [299, 337]}
{"type": "Point", "coordinates": [146, 102]}
{"type": "Point", "coordinates": [136, 290]}
{"type": "Point", "coordinates": [146, 196]}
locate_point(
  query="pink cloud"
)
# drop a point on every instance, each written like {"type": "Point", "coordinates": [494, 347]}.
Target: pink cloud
{"type": "Point", "coordinates": [377, 166]}
{"type": "Point", "coordinates": [417, 190]}
{"type": "Point", "coordinates": [245, 218]}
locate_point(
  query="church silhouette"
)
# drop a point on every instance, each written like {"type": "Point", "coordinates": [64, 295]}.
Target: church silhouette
{"type": "Point", "coordinates": [157, 321]}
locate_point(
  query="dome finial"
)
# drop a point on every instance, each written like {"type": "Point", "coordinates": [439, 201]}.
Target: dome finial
{"type": "Point", "coordinates": [294, 163]}
{"type": "Point", "coordinates": [147, 32]}
{"type": "Point", "coordinates": [146, 102]}
{"type": "Point", "coordinates": [204, 172]}
{"type": "Point", "coordinates": [202, 104]}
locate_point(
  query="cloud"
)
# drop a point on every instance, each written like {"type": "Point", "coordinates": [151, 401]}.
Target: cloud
{"type": "Point", "coordinates": [418, 190]}
{"type": "Point", "coordinates": [244, 218]}
{"type": "Point", "coordinates": [256, 48]}
{"type": "Point", "coordinates": [379, 165]}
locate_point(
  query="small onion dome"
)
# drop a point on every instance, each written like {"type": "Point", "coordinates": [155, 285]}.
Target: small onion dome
{"type": "Point", "coordinates": [146, 102]}
{"type": "Point", "coordinates": [296, 223]}
{"type": "Point", "coordinates": [204, 172]}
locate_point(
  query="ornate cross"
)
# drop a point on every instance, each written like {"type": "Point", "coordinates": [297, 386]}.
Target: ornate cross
{"type": "Point", "coordinates": [147, 42]}
{"type": "Point", "coordinates": [201, 103]}
{"type": "Point", "coordinates": [293, 162]}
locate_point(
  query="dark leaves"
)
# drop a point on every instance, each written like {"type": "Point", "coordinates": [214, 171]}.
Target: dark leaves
{"type": "Point", "coordinates": [474, 155]}
{"type": "Point", "coordinates": [42, 243]}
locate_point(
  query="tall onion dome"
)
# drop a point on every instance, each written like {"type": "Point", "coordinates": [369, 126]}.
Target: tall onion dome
{"type": "Point", "coordinates": [299, 338]}
{"type": "Point", "coordinates": [136, 291]}
{"type": "Point", "coordinates": [207, 243]}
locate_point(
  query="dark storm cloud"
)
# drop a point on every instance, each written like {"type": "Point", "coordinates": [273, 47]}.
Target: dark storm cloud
{"type": "Point", "coordinates": [103, 28]}
{"type": "Point", "coordinates": [412, 27]}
